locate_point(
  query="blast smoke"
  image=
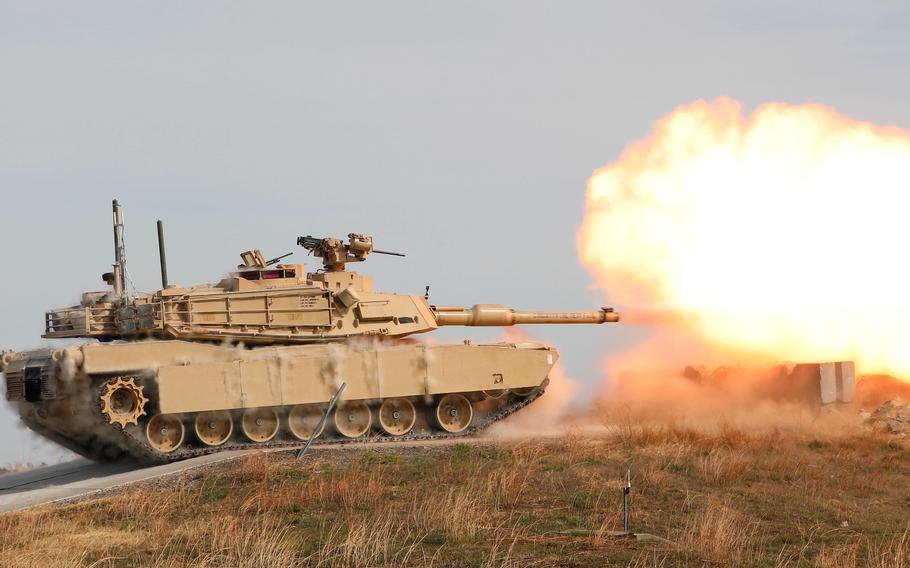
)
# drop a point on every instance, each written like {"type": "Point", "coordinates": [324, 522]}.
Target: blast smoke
{"type": "Point", "coordinates": [552, 412]}
{"type": "Point", "coordinates": [775, 235]}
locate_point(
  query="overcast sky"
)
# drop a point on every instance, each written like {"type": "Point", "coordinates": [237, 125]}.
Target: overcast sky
{"type": "Point", "coordinates": [459, 133]}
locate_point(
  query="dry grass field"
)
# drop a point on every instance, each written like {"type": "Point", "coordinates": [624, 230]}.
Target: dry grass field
{"type": "Point", "coordinates": [726, 497]}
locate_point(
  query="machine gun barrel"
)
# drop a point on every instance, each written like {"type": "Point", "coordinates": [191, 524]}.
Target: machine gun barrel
{"type": "Point", "coordinates": [277, 259]}
{"type": "Point", "coordinates": [388, 252]}
{"type": "Point", "coordinates": [310, 243]}
{"type": "Point", "coordinates": [499, 315]}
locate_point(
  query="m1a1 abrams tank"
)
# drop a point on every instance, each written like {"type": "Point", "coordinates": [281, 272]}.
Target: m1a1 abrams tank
{"type": "Point", "coordinates": [255, 359]}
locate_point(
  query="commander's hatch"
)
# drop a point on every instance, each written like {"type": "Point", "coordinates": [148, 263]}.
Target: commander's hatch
{"type": "Point", "coordinates": [252, 259]}
{"type": "Point", "coordinates": [256, 273]}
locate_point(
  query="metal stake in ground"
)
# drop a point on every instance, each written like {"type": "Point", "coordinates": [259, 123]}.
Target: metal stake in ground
{"type": "Point", "coordinates": [319, 426]}
{"type": "Point", "coordinates": [626, 490]}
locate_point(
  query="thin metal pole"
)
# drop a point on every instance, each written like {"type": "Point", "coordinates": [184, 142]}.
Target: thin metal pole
{"type": "Point", "coordinates": [318, 429]}
{"type": "Point", "coordinates": [162, 255]}
{"type": "Point", "coordinates": [626, 490]}
{"type": "Point", "coordinates": [119, 275]}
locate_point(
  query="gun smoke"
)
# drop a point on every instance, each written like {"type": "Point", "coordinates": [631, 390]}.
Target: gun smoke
{"type": "Point", "coordinates": [773, 235]}
{"type": "Point", "coordinates": [742, 240]}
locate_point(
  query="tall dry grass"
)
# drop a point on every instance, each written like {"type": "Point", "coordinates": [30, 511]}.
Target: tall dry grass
{"type": "Point", "coordinates": [861, 551]}
{"type": "Point", "coordinates": [720, 534]}
{"type": "Point", "coordinates": [721, 466]}
{"type": "Point", "coordinates": [725, 497]}
{"type": "Point", "coordinates": [382, 540]}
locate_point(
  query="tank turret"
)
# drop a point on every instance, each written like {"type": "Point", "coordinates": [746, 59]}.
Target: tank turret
{"type": "Point", "coordinates": [268, 302]}
{"type": "Point", "coordinates": [265, 349]}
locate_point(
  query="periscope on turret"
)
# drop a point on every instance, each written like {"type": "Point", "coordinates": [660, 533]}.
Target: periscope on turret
{"type": "Point", "coordinates": [253, 360]}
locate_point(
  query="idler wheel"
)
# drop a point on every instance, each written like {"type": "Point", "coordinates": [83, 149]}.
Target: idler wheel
{"type": "Point", "coordinates": [303, 419]}
{"type": "Point", "coordinates": [454, 413]}
{"type": "Point", "coordinates": [397, 416]}
{"type": "Point", "coordinates": [524, 391]}
{"type": "Point", "coordinates": [260, 424]}
{"type": "Point", "coordinates": [214, 427]}
{"type": "Point", "coordinates": [123, 401]}
{"type": "Point", "coordinates": [165, 432]}
{"type": "Point", "coordinates": [353, 418]}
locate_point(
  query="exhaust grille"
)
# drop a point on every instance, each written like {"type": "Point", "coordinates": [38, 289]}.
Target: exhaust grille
{"type": "Point", "coordinates": [48, 383]}
{"type": "Point", "coordinates": [40, 383]}
{"type": "Point", "coordinates": [31, 380]}
{"type": "Point", "coordinates": [15, 386]}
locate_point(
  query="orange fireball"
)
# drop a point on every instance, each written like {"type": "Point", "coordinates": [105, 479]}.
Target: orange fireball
{"type": "Point", "coordinates": [781, 233]}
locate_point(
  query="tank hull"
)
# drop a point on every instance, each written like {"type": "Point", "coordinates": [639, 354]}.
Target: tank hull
{"type": "Point", "coordinates": [166, 400]}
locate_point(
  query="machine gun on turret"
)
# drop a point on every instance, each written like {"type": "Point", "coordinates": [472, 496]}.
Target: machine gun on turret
{"type": "Point", "coordinates": [335, 253]}
{"type": "Point", "coordinates": [254, 259]}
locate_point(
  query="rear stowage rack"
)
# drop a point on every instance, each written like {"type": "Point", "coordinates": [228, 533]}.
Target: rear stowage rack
{"type": "Point", "coordinates": [79, 322]}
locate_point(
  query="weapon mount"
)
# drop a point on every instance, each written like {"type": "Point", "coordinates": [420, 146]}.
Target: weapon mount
{"type": "Point", "coordinates": [335, 253]}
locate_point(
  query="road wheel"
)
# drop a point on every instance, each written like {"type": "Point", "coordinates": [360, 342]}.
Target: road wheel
{"type": "Point", "coordinates": [214, 427]}
{"type": "Point", "coordinates": [260, 424]}
{"type": "Point", "coordinates": [397, 416]}
{"type": "Point", "coordinates": [454, 413]}
{"type": "Point", "coordinates": [353, 418]}
{"type": "Point", "coordinates": [303, 420]}
{"type": "Point", "coordinates": [165, 432]}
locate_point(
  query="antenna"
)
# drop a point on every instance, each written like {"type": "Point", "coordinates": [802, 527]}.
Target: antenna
{"type": "Point", "coordinates": [119, 251]}
{"type": "Point", "coordinates": [162, 256]}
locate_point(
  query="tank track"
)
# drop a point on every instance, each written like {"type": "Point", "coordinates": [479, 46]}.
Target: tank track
{"type": "Point", "coordinates": [135, 441]}
{"type": "Point", "coordinates": [88, 446]}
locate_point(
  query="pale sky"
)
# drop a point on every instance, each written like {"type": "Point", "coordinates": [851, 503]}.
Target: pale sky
{"type": "Point", "coordinates": [459, 133]}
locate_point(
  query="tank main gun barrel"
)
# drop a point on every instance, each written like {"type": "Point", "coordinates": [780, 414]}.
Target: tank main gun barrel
{"type": "Point", "coordinates": [499, 315]}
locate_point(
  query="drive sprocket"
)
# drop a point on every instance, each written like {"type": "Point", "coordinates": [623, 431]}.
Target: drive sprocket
{"type": "Point", "coordinates": [123, 401]}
